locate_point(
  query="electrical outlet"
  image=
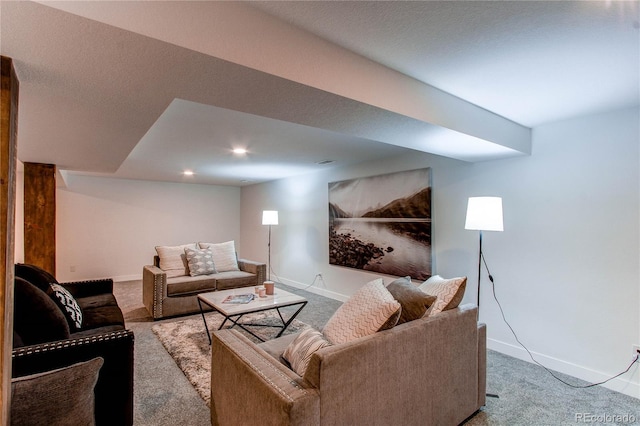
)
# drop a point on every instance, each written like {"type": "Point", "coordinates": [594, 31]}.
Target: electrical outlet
{"type": "Point", "coordinates": [636, 350]}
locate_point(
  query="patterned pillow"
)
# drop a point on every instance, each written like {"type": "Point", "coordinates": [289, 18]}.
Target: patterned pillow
{"type": "Point", "coordinates": [224, 255]}
{"type": "Point", "coordinates": [200, 262]}
{"type": "Point", "coordinates": [173, 261]}
{"type": "Point", "coordinates": [415, 303]}
{"type": "Point", "coordinates": [448, 291]}
{"type": "Point", "coordinates": [363, 314]}
{"type": "Point", "coordinates": [299, 351]}
{"type": "Point", "coordinates": [68, 304]}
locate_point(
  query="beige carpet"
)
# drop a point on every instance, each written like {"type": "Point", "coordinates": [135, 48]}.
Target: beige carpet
{"type": "Point", "coordinates": [186, 341]}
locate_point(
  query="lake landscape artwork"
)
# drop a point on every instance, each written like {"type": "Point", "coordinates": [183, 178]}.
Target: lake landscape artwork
{"type": "Point", "coordinates": [382, 223]}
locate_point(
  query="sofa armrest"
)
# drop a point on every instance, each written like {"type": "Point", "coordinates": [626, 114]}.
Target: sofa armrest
{"type": "Point", "coordinates": [258, 268]}
{"type": "Point", "coordinates": [114, 389]}
{"type": "Point", "coordinates": [154, 289]}
{"type": "Point", "coordinates": [275, 394]}
{"type": "Point", "coordinates": [89, 288]}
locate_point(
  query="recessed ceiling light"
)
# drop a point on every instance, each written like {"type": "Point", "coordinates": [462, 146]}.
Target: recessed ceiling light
{"type": "Point", "coordinates": [188, 173]}
{"type": "Point", "coordinates": [239, 151]}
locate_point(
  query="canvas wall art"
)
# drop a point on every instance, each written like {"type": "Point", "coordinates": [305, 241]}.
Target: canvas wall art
{"type": "Point", "coordinates": [382, 223]}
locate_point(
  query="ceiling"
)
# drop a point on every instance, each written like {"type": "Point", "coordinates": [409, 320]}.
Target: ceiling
{"type": "Point", "coordinates": [145, 90]}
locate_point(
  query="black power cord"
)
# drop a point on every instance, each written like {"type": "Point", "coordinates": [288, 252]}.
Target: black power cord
{"type": "Point", "coordinates": [493, 287]}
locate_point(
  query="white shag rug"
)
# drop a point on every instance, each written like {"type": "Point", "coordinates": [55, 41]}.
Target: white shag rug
{"type": "Point", "coordinates": [186, 341]}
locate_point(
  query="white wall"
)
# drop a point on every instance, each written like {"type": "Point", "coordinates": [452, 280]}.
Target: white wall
{"type": "Point", "coordinates": [110, 227]}
{"type": "Point", "coordinates": [566, 267]}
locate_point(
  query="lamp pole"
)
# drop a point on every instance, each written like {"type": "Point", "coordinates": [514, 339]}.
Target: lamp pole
{"type": "Point", "coordinates": [479, 270]}
{"type": "Point", "coordinates": [269, 256]}
{"type": "Point", "coordinates": [483, 214]}
{"type": "Point", "coordinates": [269, 217]}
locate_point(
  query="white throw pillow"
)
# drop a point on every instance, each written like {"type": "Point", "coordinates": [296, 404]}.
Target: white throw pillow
{"type": "Point", "coordinates": [449, 292]}
{"type": "Point", "coordinates": [224, 255]}
{"type": "Point", "coordinates": [363, 314]}
{"type": "Point", "coordinates": [173, 261]}
{"type": "Point", "coordinates": [299, 351]}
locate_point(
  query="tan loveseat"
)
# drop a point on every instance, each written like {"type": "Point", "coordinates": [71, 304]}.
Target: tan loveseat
{"type": "Point", "coordinates": [430, 371]}
{"type": "Point", "coordinates": [166, 297]}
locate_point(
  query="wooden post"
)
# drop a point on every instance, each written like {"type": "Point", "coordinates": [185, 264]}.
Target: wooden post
{"type": "Point", "coordinates": [8, 141]}
{"type": "Point", "coordinates": [40, 216]}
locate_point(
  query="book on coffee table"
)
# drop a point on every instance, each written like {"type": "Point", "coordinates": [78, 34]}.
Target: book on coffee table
{"type": "Point", "coordinates": [239, 298]}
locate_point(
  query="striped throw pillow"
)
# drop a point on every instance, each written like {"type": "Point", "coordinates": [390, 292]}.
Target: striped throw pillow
{"type": "Point", "coordinates": [298, 353]}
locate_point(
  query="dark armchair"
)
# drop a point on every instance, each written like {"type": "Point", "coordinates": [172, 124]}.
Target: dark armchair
{"type": "Point", "coordinates": [45, 340]}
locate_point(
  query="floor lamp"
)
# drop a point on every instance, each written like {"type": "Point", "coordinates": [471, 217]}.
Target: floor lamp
{"type": "Point", "coordinates": [483, 214]}
{"type": "Point", "coordinates": [269, 217]}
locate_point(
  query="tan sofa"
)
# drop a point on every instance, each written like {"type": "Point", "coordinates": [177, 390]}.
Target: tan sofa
{"type": "Point", "coordinates": [430, 371]}
{"type": "Point", "coordinates": [166, 297]}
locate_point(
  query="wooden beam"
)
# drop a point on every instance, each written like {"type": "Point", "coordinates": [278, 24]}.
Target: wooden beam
{"type": "Point", "coordinates": [8, 141]}
{"type": "Point", "coordinates": [40, 216]}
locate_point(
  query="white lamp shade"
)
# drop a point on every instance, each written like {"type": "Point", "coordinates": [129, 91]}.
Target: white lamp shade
{"type": "Point", "coordinates": [484, 214]}
{"type": "Point", "coordinates": [270, 217]}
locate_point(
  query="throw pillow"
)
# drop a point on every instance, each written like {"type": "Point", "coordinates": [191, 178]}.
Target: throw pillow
{"type": "Point", "coordinates": [448, 291]}
{"type": "Point", "coordinates": [35, 275]}
{"type": "Point", "coordinates": [224, 255]}
{"type": "Point", "coordinates": [200, 262]}
{"type": "Point", "coordinates": [415, 303]}
{"type": "Point", "coordinates": [68, 304]}
{"type": "Point", "coordinates": [57, 397]}
{"type": "Point", "coordinates": [362, 314]}
{"type": "Point", "coordinates": [173, 261]}
{"type": "Point", "coordinates": [36, 317]}
{"type": "Point", "coordinates": [298, 353]}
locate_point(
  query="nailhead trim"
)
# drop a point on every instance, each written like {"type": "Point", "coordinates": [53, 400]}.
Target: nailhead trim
{"type": "Point", "coordinates": [61, 344]}
{"type": "Point", "coordinates": [267, 364]}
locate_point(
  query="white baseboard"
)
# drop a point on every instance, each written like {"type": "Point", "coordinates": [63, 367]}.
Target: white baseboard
{"type": "Point", "coordinates": [122, 278]}
{"type": "Point", "coordinates": [621, 384]}
{"type": "Point", "coordinates": [316, 289]}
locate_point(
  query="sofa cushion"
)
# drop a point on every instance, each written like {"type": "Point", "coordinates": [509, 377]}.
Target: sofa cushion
{"type": "Point", "coordinates": [68, 304]}
{"type": "Point", "coordinates": [179, 286]}
{"type": "Point", "coordinates": [415, 303]}
{"type": "Point", "coordinates": [96, 301]}
{"type": "Point", "coordinates": [57, 397]}
{"type": "Point", "coordinates": [276, 347]}
{"type": "Point", "coordinates": [299, 351]}
{"type": "Point", "coordinates": [235, 279]}
{"type": "Point", "coordinates": [200, 262]}
{"type": "Point", "coordinates": [362, 314]}
{"type": "Point", "coordinates": [93, 332]}
{"type": "Point", "coordinates": [35, 275]}
{"type": "Point", "coordinates": [102, 316]}
{"type": "Point", "coordinates": [36, 317]}
{"type": "Point", "coordinates": [173, 260]}
{"type": "Point", "coordinates": [224, 255]}
{"type": "Point", "coordinates": [449, 292]}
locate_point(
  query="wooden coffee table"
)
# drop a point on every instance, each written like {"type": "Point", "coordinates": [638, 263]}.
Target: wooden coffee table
{"type": "Point", "coordinates": [233, 312]}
